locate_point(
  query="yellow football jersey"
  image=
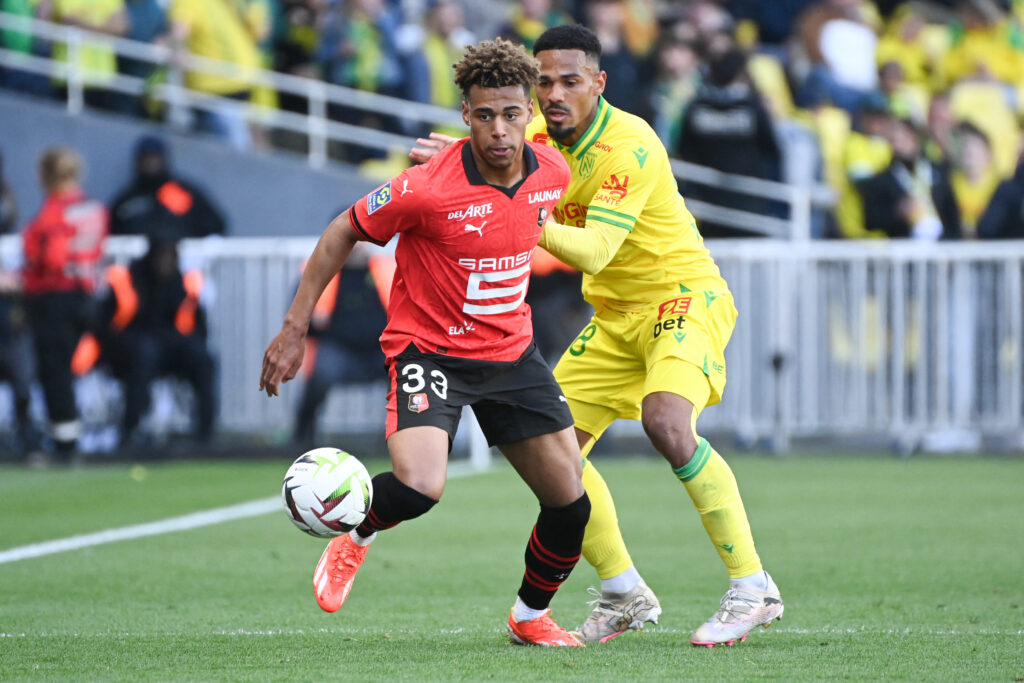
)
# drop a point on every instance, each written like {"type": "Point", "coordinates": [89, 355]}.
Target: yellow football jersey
{"type": "Point", "coordinates": [621, 177]}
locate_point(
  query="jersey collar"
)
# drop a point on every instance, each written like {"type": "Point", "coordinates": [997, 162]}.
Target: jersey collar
{"type": "Point", "coordinates": [475, 178]}
{"type": "Point", "coordinates": [593, 132]}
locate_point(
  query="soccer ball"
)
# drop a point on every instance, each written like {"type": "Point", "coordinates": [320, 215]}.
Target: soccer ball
{"type": "Point", "coordinates": [327, 492]}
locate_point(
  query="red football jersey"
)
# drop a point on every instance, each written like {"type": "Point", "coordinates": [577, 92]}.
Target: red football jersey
{"type": "Point", "coordinates": [464, 251]}
{"type": "Point", "coordinates": [64, 243]}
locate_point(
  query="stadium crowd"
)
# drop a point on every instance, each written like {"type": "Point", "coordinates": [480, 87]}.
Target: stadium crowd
{"type": "Point", "coordinates": [912, 109]}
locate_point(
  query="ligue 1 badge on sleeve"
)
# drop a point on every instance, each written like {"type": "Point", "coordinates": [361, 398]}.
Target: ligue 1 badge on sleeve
{"type": "Point", "coordinates": [379, 197]}
{"type": "Point", "coordinates": [542, 216]}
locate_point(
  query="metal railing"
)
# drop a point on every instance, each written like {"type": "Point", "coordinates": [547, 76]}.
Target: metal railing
{"type": "Point", "coordinates": [319, 129]}
{"type": "Point", "coordinates": [878, 340]}
{"type": "Point", "coordinates": [886, 340]}
{"type": "Point", "coordinates": [799, 201]}
{"type": "Point", "coordinates": [179, 98]}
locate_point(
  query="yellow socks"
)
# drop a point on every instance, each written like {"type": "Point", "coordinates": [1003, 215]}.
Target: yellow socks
{"type": "Point", "coordinates": [603, 546]}
{"type": "Point", "coordinates": [714, 492]}
{"type": "Point", "coordinates": [712, 487]}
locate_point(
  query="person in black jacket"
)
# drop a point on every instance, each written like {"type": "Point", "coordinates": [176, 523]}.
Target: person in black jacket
{"type": "Point", "coordinates": [17, 362]}
{"type": "Point", "coordinates": [8, 206]}
{"type": "Point", "coordinates": [727, 127]}
{"type": "Point", "coordinates": [1004, 216]}
{"type": "Point", "coordinates": [913, 196]}
{"type": "Point", "coordinates": [157, 199]}
{"type": "Point", "coordinates": [152, 325]}
{"type": "Point", "coordinates": [345, 329]}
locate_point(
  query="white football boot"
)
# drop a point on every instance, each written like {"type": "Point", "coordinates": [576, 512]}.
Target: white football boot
{"type": "Point", "coordinates": [741, 610]}
{"type": "Point", "coordinates": [616, 613]}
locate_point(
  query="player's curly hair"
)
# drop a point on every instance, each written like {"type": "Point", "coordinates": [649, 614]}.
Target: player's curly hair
{"type": "Point", "coordinates": [496, 64]}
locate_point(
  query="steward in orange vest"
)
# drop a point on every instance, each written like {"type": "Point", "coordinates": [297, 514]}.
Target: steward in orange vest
{"type": "Point", "coordinates": [152, 325]}
{"type": "Point", "coordinates": [159, 200]}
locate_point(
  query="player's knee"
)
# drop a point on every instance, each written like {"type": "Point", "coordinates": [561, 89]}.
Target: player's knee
{"type": "Point", "coordinates": [427, 484]}
{"type": "Point", "coordinates": [671, 434]}
{"type": "Point", "coordinates": [412, 501]}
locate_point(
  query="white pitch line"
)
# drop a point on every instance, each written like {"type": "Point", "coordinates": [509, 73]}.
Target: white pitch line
{"type": "Point", "coordinates": [165, 526]}
{"type": "Point", "coordinates": [253, 508]}
{"type": "Point", "coordinates": [649, 632]}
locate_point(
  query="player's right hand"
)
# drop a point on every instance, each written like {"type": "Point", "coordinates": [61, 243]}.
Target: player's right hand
{"type": "Point", "coordinates": [426, 148]}
{"type": "Point", "coordinates": [281, 360]}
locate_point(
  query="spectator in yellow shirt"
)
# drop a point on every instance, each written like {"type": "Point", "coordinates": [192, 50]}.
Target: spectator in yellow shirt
{"type": "Point", "coordinates": [528, 19]}
{"type": "Point", "coordinates": [903, 43]}
{"type": "Point", "coordinates": [865, 153]}
{"type": "Point", "coordinates": [974, 176]}
{"type": "Point", "coordinates": [985, 49]}
{"type": "Point", "coordinates": [97, 63]}
{"type": "Point", "coordinates": [941, 121]}
{"type": "Point", "coordinates": [226, 31]}
{"type": "Point", "coordinates": [443, 43]}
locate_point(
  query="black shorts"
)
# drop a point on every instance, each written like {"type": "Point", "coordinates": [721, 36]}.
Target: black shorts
{"type": "Point", "coordinates": [511, 400]}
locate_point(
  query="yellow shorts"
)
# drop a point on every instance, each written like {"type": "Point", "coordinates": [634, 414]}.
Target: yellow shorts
{"type": "Point", "coordinates": [676, 345]}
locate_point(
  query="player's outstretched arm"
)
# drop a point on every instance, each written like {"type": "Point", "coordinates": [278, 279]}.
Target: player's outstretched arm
{"type": "Point", "coordinates": [283, 357]}
{"type": "Point", "coordinates": [426, 148]}
{"type": "Point", "coordinates": [588, 249]}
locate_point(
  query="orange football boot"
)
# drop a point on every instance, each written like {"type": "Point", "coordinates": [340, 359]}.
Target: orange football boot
{"type": "Point", "coordinates": [336, 571]}
{"type": "Point", "coordinates": [540, 631]}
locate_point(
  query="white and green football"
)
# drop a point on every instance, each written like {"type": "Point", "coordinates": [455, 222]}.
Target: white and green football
{"type": "Point", "coordinates": [327, 492]}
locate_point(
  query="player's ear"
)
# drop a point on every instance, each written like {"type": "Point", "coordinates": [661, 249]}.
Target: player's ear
{"type": "Point", "coordinates": [600, 80]}
{"type": "Point", "coordinates": [529, 110]}
{"type": "Point", "coordinates": [465, 112]}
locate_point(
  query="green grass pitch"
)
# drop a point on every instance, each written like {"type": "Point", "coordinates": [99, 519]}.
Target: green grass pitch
{"type": "Point", "coordinates": [890, 569]}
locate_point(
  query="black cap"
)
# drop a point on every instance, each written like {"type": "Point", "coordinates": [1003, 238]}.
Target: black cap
{"type": "Point", "coordinates": [150, 144]}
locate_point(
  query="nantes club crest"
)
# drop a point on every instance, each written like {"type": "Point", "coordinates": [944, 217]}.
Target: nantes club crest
{"type": "Point", "coordinates": [586, 165]}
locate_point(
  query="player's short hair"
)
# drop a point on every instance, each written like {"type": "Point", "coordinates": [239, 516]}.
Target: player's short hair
{"type": "Point", "coordinates": [496, 63]}
{"type": "Point", "coordinates": [570, 37]}
{"type": "Point", "coordinates": [59, 165]}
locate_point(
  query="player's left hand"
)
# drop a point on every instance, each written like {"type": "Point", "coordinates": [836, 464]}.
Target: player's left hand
{"type": "Point", "coordinates": [426, 148]}
{"type": "Point", "coordinates": [281, 360]}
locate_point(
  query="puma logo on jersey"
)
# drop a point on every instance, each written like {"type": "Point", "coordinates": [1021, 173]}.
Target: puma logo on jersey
{"type": "Point", "coordinates": [405, 188]}
{"type": "Point", "coordinates": [478, 229]}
